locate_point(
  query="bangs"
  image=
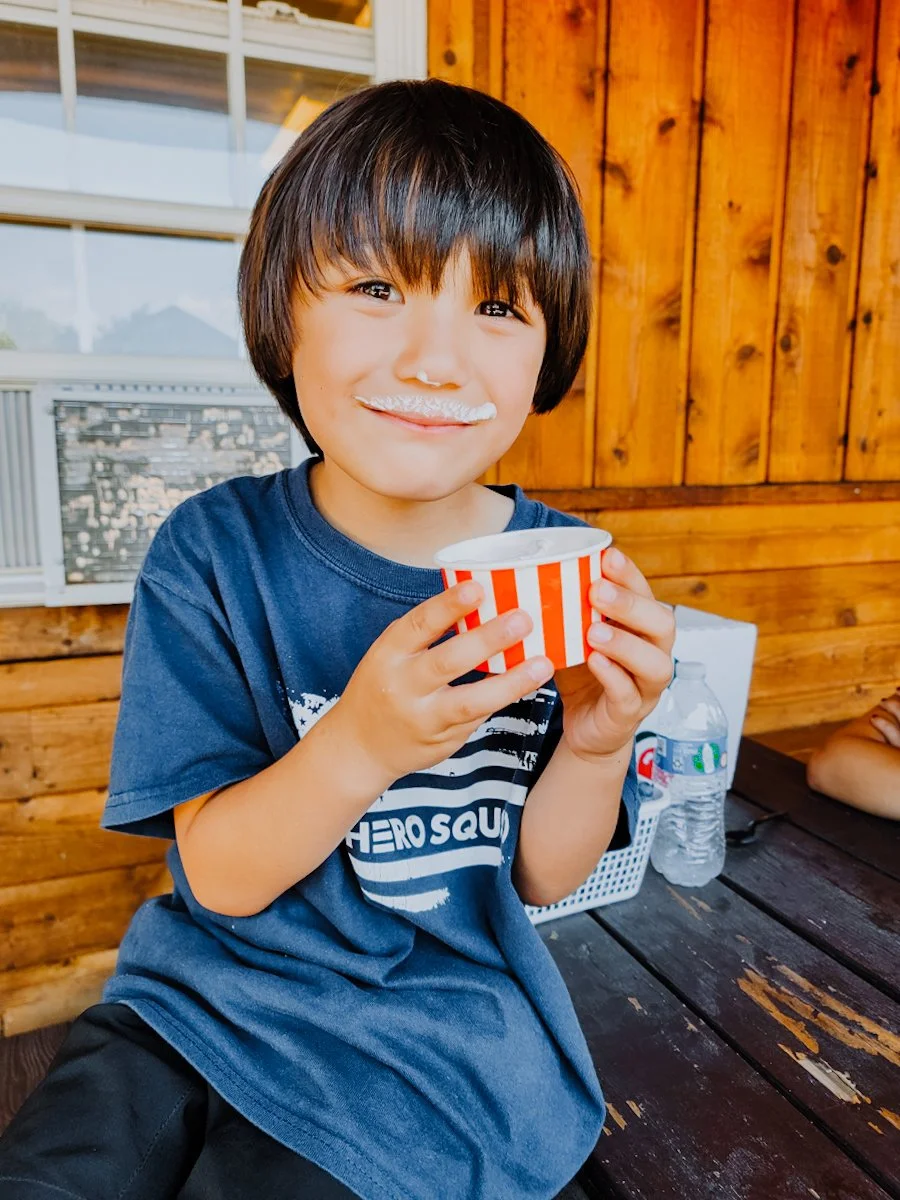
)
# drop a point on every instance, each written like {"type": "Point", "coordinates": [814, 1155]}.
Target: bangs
{"type": "Point", "coordinates": [400, 178]}
{"type": "Point", "coordinates": [413, 224]}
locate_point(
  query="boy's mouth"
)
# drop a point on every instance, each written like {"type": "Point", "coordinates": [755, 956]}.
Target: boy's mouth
{"type": "Point", "coordinates": [429, 410]}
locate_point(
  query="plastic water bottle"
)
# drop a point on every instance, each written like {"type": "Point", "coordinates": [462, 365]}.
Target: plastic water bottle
{"type": "Point", "coordinates": [690, 767]}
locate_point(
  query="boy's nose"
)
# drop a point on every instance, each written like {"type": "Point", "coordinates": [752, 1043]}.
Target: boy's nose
{"type": "Point", "coordinates": [433, 355]}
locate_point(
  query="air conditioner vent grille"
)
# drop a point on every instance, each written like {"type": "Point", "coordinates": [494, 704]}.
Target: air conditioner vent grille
{"type": "Point", "coordinates": [19, 543]}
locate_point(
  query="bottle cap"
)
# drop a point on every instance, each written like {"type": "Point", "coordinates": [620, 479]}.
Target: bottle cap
{"type": "Point", "coordinates": [690, 670]}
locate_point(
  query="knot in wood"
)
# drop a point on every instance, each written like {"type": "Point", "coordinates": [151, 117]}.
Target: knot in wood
{"type": "Point", "coordinates": [834, 254]}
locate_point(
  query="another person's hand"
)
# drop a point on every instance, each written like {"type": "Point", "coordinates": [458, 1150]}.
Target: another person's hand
{"type": "Point", "coordinates": [860, 762]}
{"type": "Point", "coordinates": [886, 719]}
{"type": "Point", "coordinates": [606, 699]}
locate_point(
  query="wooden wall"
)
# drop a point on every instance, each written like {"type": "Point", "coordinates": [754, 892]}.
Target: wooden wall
{"type": "Point", "coordinates": [737, 421]}
{"type": "Point", "coordinates": [736, 424]}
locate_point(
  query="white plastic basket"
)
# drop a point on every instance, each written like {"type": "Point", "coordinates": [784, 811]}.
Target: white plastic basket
{"type": "Point", "coordinates": [618, 875]}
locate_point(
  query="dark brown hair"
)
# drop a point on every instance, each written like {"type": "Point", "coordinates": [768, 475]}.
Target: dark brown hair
{"type": "Point", "coordinates": [401, 175]}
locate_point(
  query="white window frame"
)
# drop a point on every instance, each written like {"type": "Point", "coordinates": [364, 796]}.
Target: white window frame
{"type": "Point", "coordinates": [394, 47]}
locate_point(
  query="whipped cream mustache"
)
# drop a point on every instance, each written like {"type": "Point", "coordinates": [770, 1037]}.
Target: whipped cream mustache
{"type": "Point", "coordinates": [430, 406]}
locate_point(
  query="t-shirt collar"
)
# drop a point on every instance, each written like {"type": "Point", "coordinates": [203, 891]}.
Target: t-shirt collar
{"type": "Point", "coordinates": [396, 580]}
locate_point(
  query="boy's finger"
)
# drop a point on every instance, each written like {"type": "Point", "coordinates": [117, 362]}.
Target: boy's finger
{"type": "Point", "coordinates": [423, 625]}
{"type": "Point", "coordinates": [619, 686]}
{"type": "Point", "coordinates": [475, 702]}
{"type": "Point", "coordinates": [648, 664]}
{"type": "Point", "coordinates": [459, 655]}
{"type": "Point", "coordinates": [640, 614]}
{"type": "Point", "coordinates": [620, 569]}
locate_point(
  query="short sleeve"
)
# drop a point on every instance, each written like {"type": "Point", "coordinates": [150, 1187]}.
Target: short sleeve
{"type": "Point", "coordinates": [628, 809]}
{"type": "Point", "coordinates": [187, 720]}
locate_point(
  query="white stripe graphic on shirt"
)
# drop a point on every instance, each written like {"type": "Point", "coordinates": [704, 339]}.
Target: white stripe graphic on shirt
{"type": "Point", "coordinates": [395, 799]}
{"type": "Point", "coordinates": [428, 864]}
{"type": "Point", "coordinates": [422, 902]}
{"type": "Point", "coordinates": [458, 768]}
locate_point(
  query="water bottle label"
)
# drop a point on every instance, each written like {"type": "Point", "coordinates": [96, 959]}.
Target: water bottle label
{"type": "Point", "coordinates": [690, 758]}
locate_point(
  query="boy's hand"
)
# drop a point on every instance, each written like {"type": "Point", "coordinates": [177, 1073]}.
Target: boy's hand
{"type": "Point", "coordinates": [606, 699]}
{"type": "Point", "coordinates": [402, 711]}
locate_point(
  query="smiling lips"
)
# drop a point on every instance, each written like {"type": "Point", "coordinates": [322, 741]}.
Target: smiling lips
{"type": "Point", "coordinates": [431, 410]}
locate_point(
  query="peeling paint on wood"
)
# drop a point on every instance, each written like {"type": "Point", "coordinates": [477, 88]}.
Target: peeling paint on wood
{"type": "Point", "coordinates": [616, 1116]}
{"type": "Point", "coordinates": [758, 989]}
{"type": "Point", "coordinates": [684, 902]}
{"type": "Point", "coordinates": [837, 1082]}
{"type": "Point", "coordinates": [635, 1004]}
{"type": "Point", "coordinates": [871, 1038]}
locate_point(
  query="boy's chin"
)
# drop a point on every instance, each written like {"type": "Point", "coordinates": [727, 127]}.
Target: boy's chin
{"type": "Point", "coordinates": [418, 481]}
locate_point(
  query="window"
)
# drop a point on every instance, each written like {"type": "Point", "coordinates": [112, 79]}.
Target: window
{"type": "Point", "coordinates": [152, 121]}
{"type": "Point", "coordinates": [32, 122]}
{"type": "Point", "coordinates": [282, 99]}
{"type": "Point", "coordinates": [134, 138]}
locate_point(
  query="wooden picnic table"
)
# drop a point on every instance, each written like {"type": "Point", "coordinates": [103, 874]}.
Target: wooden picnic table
{"type": "Point", "coordinates": [747, 1034]}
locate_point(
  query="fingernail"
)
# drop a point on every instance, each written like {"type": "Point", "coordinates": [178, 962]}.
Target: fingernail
{"type": "Point", "coordinates": [606, 592]}
{"type": "Point", "coordinates": [468, 593]}
{"type": "Point", "coordinates": [517, 623]}
{"type": "Point", "coordinates": [599, 633]}
{"type": "Point", "coordinates": [540, 670]}
{"type": "Point", "coordinates": [615, 557]}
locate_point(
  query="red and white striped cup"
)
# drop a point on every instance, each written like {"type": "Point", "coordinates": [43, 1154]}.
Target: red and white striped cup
{"type": "Point", "coordinates": [546, 572]}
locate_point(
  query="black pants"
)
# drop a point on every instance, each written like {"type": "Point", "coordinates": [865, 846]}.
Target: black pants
{"type": "Point", "coordinates": [122, 1116]}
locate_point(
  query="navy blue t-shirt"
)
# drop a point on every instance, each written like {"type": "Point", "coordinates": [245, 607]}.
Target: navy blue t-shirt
{"type": "Point", "coordinates": [394, 1016]}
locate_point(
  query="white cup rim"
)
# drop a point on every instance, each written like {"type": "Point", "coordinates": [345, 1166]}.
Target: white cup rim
{"type": "Point", "coordinates": [480, 554]}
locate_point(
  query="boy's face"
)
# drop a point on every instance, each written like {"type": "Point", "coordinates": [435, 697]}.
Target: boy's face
{"type": "Point", "coordinates": [370, 338]}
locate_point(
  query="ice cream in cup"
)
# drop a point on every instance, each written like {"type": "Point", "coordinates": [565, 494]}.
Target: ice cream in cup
{"type": "Point", "coordinates": [546, 572]}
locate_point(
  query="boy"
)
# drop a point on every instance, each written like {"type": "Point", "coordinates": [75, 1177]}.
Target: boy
{"type": "Point", "coordinates": [344, 996]}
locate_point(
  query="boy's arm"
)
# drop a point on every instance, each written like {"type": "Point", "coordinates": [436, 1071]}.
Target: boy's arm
{"type": "Point", "coordinates": [244, 845]}
{"type": "Point", "coordinates": [858, 766]}
{"type": "Point", "coordinates": [567, 823]}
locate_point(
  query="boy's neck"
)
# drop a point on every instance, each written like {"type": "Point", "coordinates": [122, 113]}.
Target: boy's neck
{"type": "Point", "coordinates": [406, 531]}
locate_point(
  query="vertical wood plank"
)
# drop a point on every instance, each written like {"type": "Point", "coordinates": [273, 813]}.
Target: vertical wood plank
{"type": "Point", "coordinates": [873, 447]}
{"type": "Point", "coordinates": [489, 36]}
{"type": "Point", "coordinates": [741, 200]}
{"type": "Point", "coordinates": [648, 219]}
{"type": "Point", "coordinates": [451, 41]}
{"type": "Point", "coordinates": [829, 143]}
{"type": "Point", "coordinates": [552, 78]}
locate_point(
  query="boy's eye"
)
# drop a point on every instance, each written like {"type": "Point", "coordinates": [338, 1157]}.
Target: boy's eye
{"type": "Point", "coordinates": [496, 308]}
{"type": "Point", "coordinates": [377, 288]}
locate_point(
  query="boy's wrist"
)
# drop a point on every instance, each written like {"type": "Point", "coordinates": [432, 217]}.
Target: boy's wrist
{"type": "Point", "coordinates": [612, 761]}
{"type": "Point", "coordinates": [355, 770]}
